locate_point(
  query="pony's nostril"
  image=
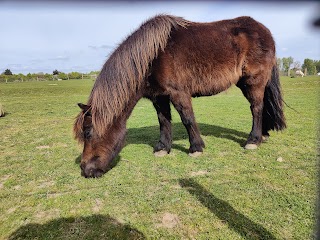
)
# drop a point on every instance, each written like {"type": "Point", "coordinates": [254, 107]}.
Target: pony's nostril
{"type": "Point", "coordinates": [95, 158]}
{"type": "Point", "coordinates": [91, 172]}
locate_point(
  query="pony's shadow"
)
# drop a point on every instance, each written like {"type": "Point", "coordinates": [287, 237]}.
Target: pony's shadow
{"type": "Point", "coordinates": [78, 160]}
{"type": "Point", "coordinates": [150, 135]}
{"type": "Point", "coordinates": [5, 114]}
{"type": "Point", "coordinates": [91, 227]}
{"type": "Point", "coordinates": [225, 212]}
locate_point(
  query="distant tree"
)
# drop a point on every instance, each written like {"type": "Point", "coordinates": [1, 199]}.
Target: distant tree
{"type": "Point", "coordinates": [279, 63]}
{"type": "Point", "coordinates": [296, 65]}
{"type": "Point", "coordinates": [55, 72]}
{"type": "Point", "coordinates": [309, 66]}
{"type": "Point", "coordinates": [63, 76]}
{"type": "Point", "coordinates": [75, 75]}
{"type": "Point", "coordinates": [94, 72]}
{"type": "Point", "coordinates": [29, 76]}
{"type": "Point", "coordinates": [21, 77]}
{"type": "Point", "coordinates": [317, 64]}
{"type": "Point", "coordinates": [286, 62]}
{"type": "Point", "coordinates": [314, 70]}
{"type": "Point", "coordinates": [7, 72]}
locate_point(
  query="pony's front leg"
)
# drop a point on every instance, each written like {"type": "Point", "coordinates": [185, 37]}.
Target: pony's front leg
{"type": "Point", "coordinates": [162, 106]}
{"type": "Point", "coordinates": [182, 103]}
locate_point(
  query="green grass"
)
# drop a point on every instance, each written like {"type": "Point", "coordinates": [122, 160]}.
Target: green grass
{"type": "Point", "coordinates": [227, 193]}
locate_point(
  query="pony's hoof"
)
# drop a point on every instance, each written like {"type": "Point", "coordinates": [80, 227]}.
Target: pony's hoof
{"type": "Point", "coordinates": [161, 153]}
{"type": "Point", "coordinates": [195, 154]}
{"type": "Point", "coordinates": [251, 146]}
{"type": "Point", "coordinates": [265, 138]}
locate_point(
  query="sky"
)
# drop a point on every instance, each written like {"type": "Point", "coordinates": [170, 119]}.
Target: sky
{"type": "Point", "coordinates": [79, 36]}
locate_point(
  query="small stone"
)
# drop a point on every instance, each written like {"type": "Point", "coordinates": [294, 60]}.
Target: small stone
{"type": "Point", "coordinates": [279, 159]}
{"type": "Point", "coordinates": [251, 146]}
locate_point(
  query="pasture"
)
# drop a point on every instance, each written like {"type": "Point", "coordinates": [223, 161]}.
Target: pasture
{"type": "Point", "coordinates": [227, 193]}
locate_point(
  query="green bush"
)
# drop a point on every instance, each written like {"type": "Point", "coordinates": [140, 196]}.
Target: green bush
{"type": "Point", "coordinates": [63, 76]}
{"type": "Point", "coordinates": [75, 75]}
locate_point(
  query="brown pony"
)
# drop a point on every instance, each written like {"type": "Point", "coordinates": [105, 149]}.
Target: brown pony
{"type": "Point", "coordinates": [169, 59]}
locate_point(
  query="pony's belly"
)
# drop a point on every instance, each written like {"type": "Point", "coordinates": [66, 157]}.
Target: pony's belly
{"type": "Point", "coordinates": [208, 93]}
{"type": "Point", "coordinates": [211, 86]}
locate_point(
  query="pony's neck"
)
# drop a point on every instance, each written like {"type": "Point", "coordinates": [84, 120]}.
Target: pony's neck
{"type": "Point", "coordinates": [129, 107]}
{"type": "Point", "coordinates": [115, 138]}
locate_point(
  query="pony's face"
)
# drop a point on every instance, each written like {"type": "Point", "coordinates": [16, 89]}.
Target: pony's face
{"type": "Point", "coordinates": [92, 164]}
{"type": "Point", "coordinates": [98, 151]}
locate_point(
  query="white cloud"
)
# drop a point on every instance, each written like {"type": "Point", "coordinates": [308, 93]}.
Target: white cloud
{"type": "Point", "coordinates": [101, 47]}
{"type": "Point", "coordinates": [60, 58]}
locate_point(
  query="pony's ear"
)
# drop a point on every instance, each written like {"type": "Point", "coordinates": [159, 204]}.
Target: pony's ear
{"type": "Point", "coordinates": [83, 107]}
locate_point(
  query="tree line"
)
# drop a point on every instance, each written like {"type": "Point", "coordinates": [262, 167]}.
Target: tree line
{"type": "Point", "coordinates": [8, 76]}
{"type": "Point", "coordinates": [288, 66]}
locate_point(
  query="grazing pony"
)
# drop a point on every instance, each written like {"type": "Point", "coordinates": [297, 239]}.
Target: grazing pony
{"type": "Point", "coordinates": [299, 73]}
{"type": "Point", "coordinates": [169, 59]}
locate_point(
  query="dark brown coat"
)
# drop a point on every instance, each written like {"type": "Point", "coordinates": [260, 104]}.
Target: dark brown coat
{"type": "Point", "coordinates": [169, 59]}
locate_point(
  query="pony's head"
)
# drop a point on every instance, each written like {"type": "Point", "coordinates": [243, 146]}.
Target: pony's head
{"type": "Point", "coordinates": [99, 149]}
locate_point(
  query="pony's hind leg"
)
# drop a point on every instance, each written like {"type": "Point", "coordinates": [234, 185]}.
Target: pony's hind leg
{"type": "Point", "coordinates": [162, 106]}
{"type": "Point", "coordinates": [253, 90]}
{"type": "Point", "coordinates": [183, 105]}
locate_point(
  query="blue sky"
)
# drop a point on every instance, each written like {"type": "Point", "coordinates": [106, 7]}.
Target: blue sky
{"type": "Point", "coordinates": [42, 37]}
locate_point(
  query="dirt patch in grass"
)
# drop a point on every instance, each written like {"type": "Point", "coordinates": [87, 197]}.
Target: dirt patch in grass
{"type": "Point", "coordinates": [199, 173]}
{"type": "Point", "coordinates": [47, 215]}
{"type": "Point", "coordinates": [11, 210]}
{"type": "Point", "coordinates": [169, 220]}
{"type": "Point", "coordinates": [43, 147]}
{"type": "Point", "coordinates": [54, 195]}
{"type": "Point", "coordinates": [3, 179]}
{"type": "Point", "coordinates": [17, 187]}
{"type": "Point", "coordinates": [98, 204]}
{"type": "Point", "coordinates": [60, 144]}
{"type": "Point", "coordinates": [46, 184]}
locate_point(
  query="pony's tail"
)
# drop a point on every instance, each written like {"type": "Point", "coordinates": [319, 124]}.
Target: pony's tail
{"type": "Point", "coordinates": [273, 116]}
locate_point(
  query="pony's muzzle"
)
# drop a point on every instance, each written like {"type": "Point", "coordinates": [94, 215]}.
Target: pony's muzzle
{"type": "Point", "coordinates": [89, 170]}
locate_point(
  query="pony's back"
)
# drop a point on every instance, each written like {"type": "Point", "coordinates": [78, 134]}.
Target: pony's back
{"type": "Point", "coordinates": [207, 58]}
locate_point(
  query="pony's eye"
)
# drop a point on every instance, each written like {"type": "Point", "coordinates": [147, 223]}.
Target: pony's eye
{"type": "Point", "coordinates": [87, 133]}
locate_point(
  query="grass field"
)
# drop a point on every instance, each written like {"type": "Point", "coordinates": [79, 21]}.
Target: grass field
{"type": "Point", "coordinates": [227, 193]}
